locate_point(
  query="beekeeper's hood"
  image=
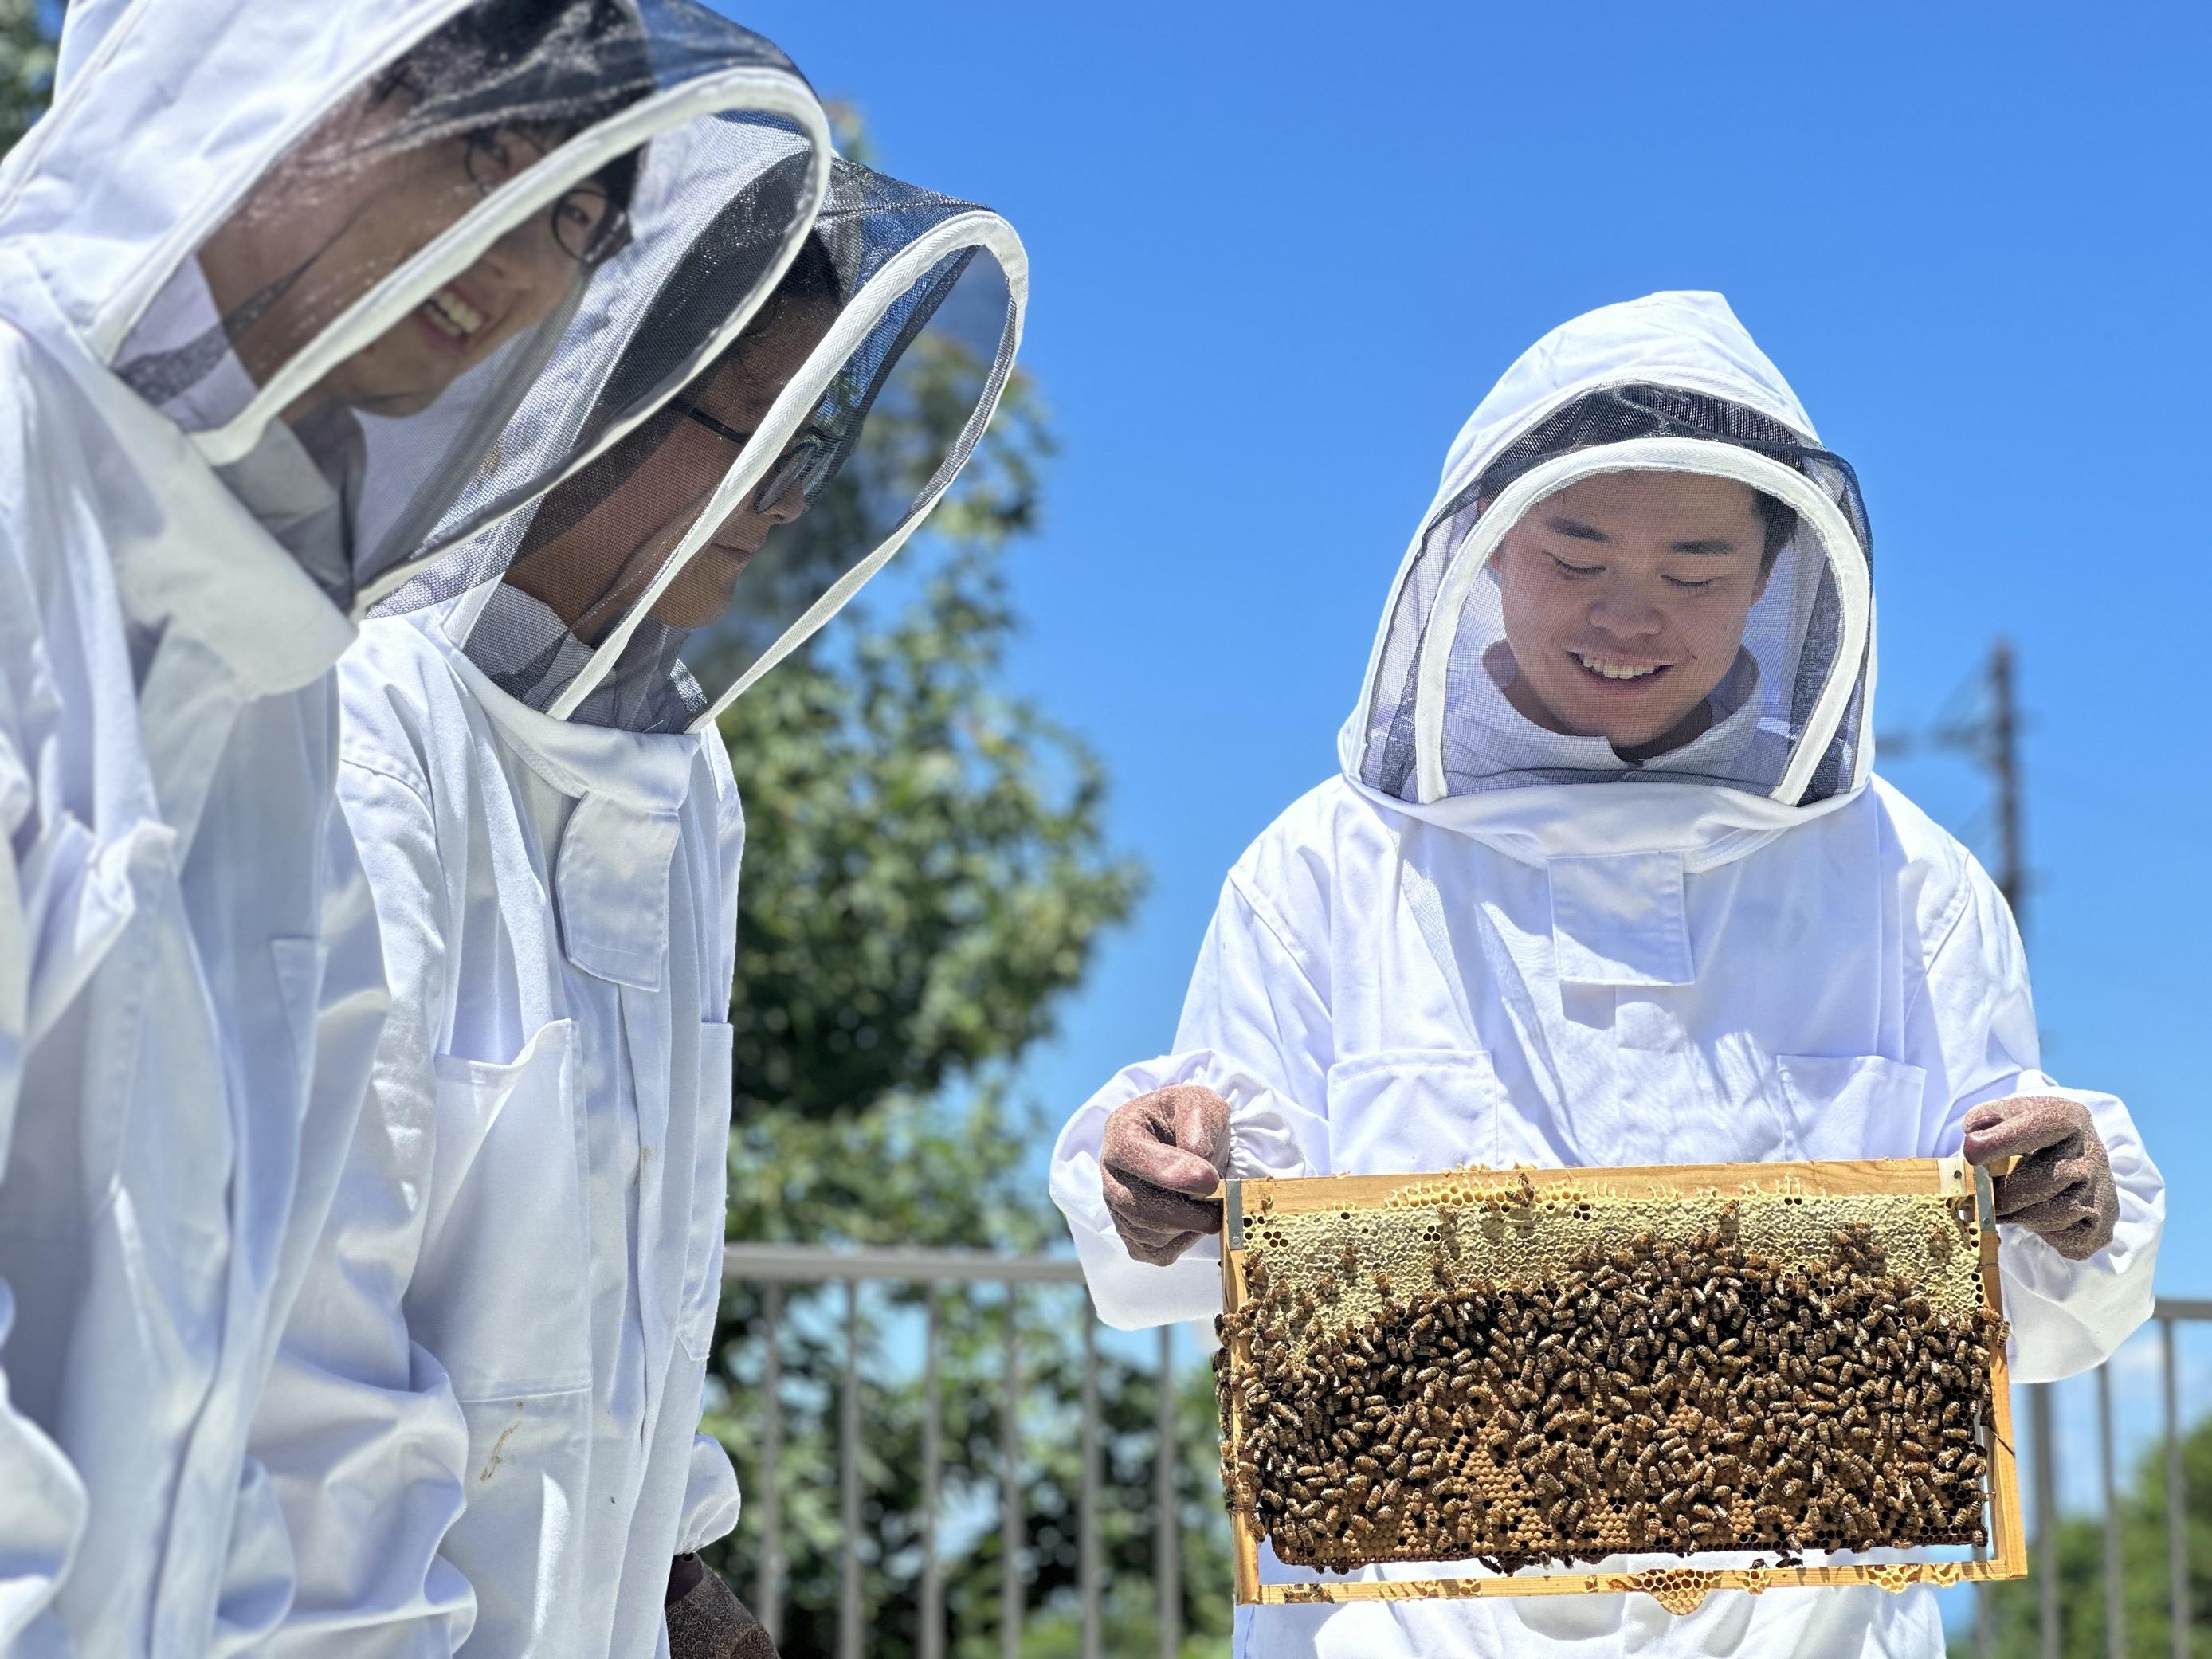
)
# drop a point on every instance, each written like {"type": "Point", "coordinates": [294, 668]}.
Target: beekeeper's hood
{"type": "Point", "coordinates": [658, 582]}
{"type": "Point", "coordinates": [1641, 569]}
{"type": "Point", "coordinates": [333, 244]}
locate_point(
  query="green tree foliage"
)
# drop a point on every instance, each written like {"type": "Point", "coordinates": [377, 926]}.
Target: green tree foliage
{"type": "Point", "coordinates": [27, 66]}
{"type": "Point", "coordinates": [2146, 1610]}
{"type": "Point", "coordinates": [925, 876]}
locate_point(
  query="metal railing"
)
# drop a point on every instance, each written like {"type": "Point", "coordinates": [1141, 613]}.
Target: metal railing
{"type": "Point", "coordinates": [2043, 1443]}
{"type": "Point", "coordinates": [771, 1268]}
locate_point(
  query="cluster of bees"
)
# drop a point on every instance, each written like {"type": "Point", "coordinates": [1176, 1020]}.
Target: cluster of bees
{"type": "Point", "coordinates": [1666, 1396]}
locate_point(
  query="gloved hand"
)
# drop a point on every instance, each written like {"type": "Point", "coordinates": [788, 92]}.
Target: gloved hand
{"type": "Point", "coordinates": [1162, 1155]}
{"type": "Point", "coordinates": [705, 1620]}
{"type": "Point", "coordinates": [2062, 1189]}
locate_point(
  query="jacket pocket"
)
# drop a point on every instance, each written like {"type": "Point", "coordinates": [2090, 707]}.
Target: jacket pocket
{"type": "Point", "coordinates": [703, 1273]}
{"type": "Point", "coordinates": [1410, 1111]}
{"type": "Point", "coordinates": [500, 1293]}
{"type": "Point", "coordinates": [1852, 1106]}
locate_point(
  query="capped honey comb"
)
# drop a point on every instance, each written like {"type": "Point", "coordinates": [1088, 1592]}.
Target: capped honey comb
{"type": "Point", "coordinates": [1488, 1369]}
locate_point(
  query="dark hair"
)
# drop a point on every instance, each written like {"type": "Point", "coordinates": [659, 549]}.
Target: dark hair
{"type": "Point", "coordinates": [1617, 414]}
{"type": "Point", "coordinates": [723, 264]}
{"type": "Point", "coordinates": [811, 277]}
{"type": "Point", "coordinates": [557, 65]}
{"type": "Point", "coordinates": [678, 313]}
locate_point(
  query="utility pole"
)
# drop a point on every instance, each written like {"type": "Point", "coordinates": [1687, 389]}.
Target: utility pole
{"type": "Point", "coordinates": [2003, 753]}
{"type": "Point", "coordinates": [2004, 767]}
{"type": "Point", "coordinates": [1991, 740]}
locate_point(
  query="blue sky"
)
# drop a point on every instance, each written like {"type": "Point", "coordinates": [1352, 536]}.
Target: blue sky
{"type": "Point", "coordinates": [1280, 253]}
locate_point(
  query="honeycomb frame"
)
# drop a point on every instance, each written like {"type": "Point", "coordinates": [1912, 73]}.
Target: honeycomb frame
{"type": "Point", "coordinates": [1579, 1203]}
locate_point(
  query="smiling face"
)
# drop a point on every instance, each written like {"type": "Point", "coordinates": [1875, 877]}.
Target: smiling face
{"type": "Point", "coordinates": [354, 203]}
{"type": "Point", "coordinates": [1626, 596]}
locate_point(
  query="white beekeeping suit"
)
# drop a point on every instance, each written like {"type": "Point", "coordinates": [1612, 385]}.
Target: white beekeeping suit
{"type": "Point", "coordinates": [1520, 929]}
{"type": "Point", "coordinates": [272, 282]}
{"type": "Point", "coordinates": [483, 1423]}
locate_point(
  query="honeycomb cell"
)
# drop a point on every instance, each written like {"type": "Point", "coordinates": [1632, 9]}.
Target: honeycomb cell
{"type": "Point", "coordinates": [1777, 1370]}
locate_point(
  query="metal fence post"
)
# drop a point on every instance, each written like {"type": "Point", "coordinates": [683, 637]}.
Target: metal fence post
{"type": "Point", "coordinates": [767, 1578]}
{"type": "Point", "coordinates": [1010, 1491]}
{"type": "Point", "coordinates": [1167, 1540]}
{"type": "Point", "coordinates": [1093, 1623]}
{"type": "Point", "coordinates": [2177, 1517]}
{"type": "Point", "coordinates": [2046, 1518]}
{"type": "Point", "coordinates": [933, 1465]}
{"type": "Point", "coordinates": [848, 1483]}
{"type": "Point", "coordinates": [2115, 1614]}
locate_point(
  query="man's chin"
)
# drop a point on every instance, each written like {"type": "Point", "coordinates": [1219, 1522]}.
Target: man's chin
{"type": "Point", "coordinates": [1656, 737]}
{"type": "Point", "coordinates": [688, 608]}
{"type": "Point", "coordinates": [390, 404]}
{"type": "Point", "coordinates": [382, 381]}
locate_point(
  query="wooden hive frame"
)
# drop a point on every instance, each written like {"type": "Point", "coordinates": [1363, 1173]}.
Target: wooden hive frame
{"type": "Point", "coordinates": [1965, 1187]}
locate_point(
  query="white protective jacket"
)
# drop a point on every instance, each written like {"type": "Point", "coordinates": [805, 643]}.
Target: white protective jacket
{"type": "Point", "coordinates": [481, 1427]}
{"type": "Point", "coordinates": [185, 1043]}
{"type": "Point", "coordinates": [1608, 973]}
{"type": "Point", "coordinates": [513, 1304]}
{"type": "Point", "coordinates": [190, 985]}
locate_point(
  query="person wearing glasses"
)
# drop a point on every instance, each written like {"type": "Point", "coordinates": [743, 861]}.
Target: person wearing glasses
{"type": "Point", "coordinates": [591, 551]}
{"type": "Point", "coordinates": [373, 185]}
{"type": "Point", "coordinates": [502, 1345]}
{"type": "Point", "coordinates": [522, 1214]}
{"type": "Point", "coordinates": [273, 280]}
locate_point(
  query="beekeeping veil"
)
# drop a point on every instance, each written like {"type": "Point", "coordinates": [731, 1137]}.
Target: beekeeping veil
{"type": "Point", "coordinates": [1669, 385]}
{"type": "Point", "coordinates": [335, 243]}
{"type": "Point", "coordinates": [657, 583]}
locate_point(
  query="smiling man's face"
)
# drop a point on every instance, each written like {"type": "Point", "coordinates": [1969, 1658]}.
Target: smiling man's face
{"type": "Point", "coordinates": [1626, 596]}
{"type": "Point", "coordinates": [515, 285]}
{"type": "Point", "coordinates": [352, 204]}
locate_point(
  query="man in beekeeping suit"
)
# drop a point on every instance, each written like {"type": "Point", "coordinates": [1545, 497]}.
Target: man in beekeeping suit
{"type": "Point", "coordinates": [1607, 880]}
{"type": "Point", "coordinates": [483, 1427]}
{"type": "Point", "coordinates": [273, 281]}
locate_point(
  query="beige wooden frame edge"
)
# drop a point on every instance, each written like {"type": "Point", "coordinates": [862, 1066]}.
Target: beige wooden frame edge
{"type": "Point", "coordinates": [1681, 1589]}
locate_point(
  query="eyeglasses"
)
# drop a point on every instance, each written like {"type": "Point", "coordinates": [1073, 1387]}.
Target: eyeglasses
{"type": "Point", "coordinates": [586, 224]}
{"type": "Point", "coordinates": [804, 465]}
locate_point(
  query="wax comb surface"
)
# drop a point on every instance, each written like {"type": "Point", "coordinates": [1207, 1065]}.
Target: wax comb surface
{"type": "Point", "coordinates": [1554, 1368]}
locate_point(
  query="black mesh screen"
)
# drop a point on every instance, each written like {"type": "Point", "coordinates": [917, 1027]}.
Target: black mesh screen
{"type": "Point", "coordinates": [455, 130]}
{"type": "Point", "coordinates": [1607, 415]}
{"type": "Point", "coordinates": [897, 417]}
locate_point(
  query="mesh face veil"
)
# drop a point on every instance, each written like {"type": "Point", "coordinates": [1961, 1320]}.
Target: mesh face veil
{"type": "Point", "coordinates": [653, 586]}
{"type": "Point", "coordinates": [1652, 574]}
{"type": "Point", "coordinates": [352, 337]}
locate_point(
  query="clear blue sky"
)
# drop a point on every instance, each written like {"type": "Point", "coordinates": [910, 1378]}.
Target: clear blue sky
{"type": "Point", "coordinates": [1280, 253]}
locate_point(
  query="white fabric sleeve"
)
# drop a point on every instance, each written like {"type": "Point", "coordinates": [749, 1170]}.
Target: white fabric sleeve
{"type": "Point", "coordinates": [1257, 1033]}
{"type": "Point", "coordinates": [710, 1497]}
{"type": "Point", "coordinates": [43, 1511]}
{"type": "Point", "coordinates": [43, 1503]}
{"type": "Point", "coordinates": [1972, 1028]}
{"type": "Point", "coordinates": [359, 1428]}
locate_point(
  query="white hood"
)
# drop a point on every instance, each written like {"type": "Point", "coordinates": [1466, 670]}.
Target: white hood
{"type": "Point", "coordinates": [1791, 737]}
{"type": "Point", "coordinates": [916, 300]}
{"type": "Point", "coordinates": [170, 116]}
